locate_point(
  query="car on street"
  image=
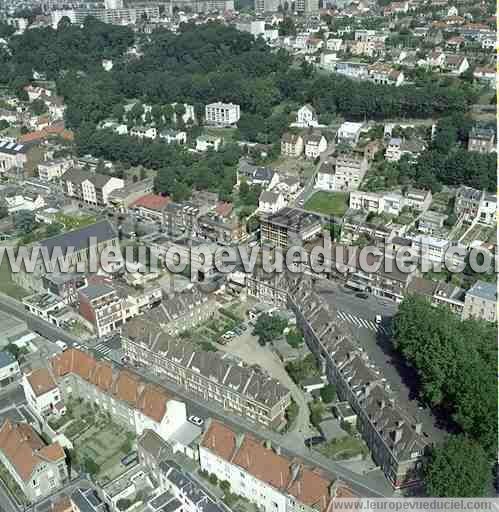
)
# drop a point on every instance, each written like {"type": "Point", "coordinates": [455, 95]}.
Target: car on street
{"type": "Point", "coordinates": [196, 420]}
{"type": "Point", "coordinates": [379, 319]}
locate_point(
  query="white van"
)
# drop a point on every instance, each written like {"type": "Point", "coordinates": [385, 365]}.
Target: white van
{"type": "Point", "coordinates": [63, 346]}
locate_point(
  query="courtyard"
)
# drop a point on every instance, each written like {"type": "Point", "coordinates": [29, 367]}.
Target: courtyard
{"type": "Point", "coordinates": [99, 443]}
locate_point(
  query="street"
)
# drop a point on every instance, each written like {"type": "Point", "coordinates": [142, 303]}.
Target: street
{"type": "Point", "coordinates": [373, 484]}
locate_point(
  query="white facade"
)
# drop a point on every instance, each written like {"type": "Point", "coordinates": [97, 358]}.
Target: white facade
{"type": "Point", "coordinates": [144, 132]}
{"type": "Point", "coordinates": [18, 203]}
{"type": "Point", "coordinates": [40, 403]}
{"type": "Point", "coordinates": [306, 116]}
{"type": "Point", "coordinates": [53, 169]}
{"type": "Point", "coordinates": [223, 114]}
{"type": "Point", "coordinates": [314, 147]}
{"type": "Point", "coordinates": [175, 416]}
{"type": "Point", "coordinates": [487, 210]}
{"type": "Point", "coordinates": [204, 143]}
{"type": "Point", "coordinates": [271, 202]}
{"type": "Point", "coordinates": [325, 181]}
{"type": "Point", "coordinates": [349, 133]}
{"type": "Point", "coordinates": [265, 496]}
{"type": "Point", "coordinates": [10, 370]}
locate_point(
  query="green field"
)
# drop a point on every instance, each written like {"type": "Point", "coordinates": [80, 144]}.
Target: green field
{"type": "Point", "coordinates": [7, 286]}
{"type": "Point", "coordinates": [328, 203]}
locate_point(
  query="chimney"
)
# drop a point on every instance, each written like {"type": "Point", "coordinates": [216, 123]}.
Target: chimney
{"type": "Point", "coordinates": [417, 427]}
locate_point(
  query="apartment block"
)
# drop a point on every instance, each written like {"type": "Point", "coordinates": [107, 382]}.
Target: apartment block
{"type": "Point", "coordinates": [290, 226]}
{"type": "Point", "coordinates": [90, 187]}
{"type": "Point", "coordinates": [210, 376]}
{"type": "Point", "coordinates": [222, 114]}
{"type": "Point", "coordinates": [101, 305]}
{"type": "Point", "coordinates": [480, 302]}
{"type": "Point", "coordinates": [50, 170]}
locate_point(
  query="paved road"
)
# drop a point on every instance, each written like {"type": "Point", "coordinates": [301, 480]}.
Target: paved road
{"type": "Point", "coordinates": [373, 484]}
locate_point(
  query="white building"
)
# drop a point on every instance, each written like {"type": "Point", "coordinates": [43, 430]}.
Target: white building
{"type": "Point", "coordinates": [53, 169]}
{"type": "Point", "coordinates": [12, 155]}
{"type": "Point", "coordinates": [205, 142]}
{"type": "Point", "coordinates": [9, 368]}
{"type": "Point", "coordinates": [89, 187]}
{"type": "Point", "coordinates": [271, 202]}
{"type": "Point", "coordinates": [307, 116]}
{"type": "Point", "coordinates": [315, 145]}
{"type": "Point", "coordinates": [349, 133]}
{"type": "Point", "coordinates": [42, 393]}
{"type": "Point", "coordinates": [487, 209]}
{"type": "Point", "coordinates": [173, 137]}
{"type": "Point", "coordinates": [24, 202]}
{"type": "Point", "coordinates": [144, 132]}
{"type": "Point", "coordinates": [222, 114]}
{"type": "Point", "coordinates": [430, 248]}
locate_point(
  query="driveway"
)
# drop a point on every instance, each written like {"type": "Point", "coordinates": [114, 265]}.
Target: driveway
{"type": "Point", "coordinates": [249, 350]}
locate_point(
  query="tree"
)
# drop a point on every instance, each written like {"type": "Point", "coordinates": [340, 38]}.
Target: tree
{"type": "Point", "coordinates": [213, 479]}
{"type": "Point", "coordinates": [328, 393]}
{"type": "Point", "coordinates": [225, 486]}
{"type": "Point", "coordinates": [53, 229]}
{"type": "Point", "coordinates": [38, 107]}
{"type": "Point", "coordinates": [4, 212]}
{"type": "Point", "coordinates": [459, 469]}
{"type": "Point", "coordinates": [268, 327]}
{"type": "Point", "coordinates": [24, 221]}
{"type": "Point", "coordinates": [123, 504]}
{"type": "Point", "coordinates": [294, 338]}
{"type": "Point", "coordinates": [91, 467]}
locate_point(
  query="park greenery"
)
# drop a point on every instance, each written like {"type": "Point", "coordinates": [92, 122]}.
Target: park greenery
{"type": "Point", "coordinates": [203, 64]}
{"type": "Point", "coordinates": [268, 328]}
{"type": "Point", "coordinates": [456, 363]}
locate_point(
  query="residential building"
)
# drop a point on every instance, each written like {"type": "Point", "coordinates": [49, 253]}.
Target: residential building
{"type": "Point", "coordinates": [220, 228]}
{"type": "Point", "coordinates": [132, 403]}
{"type": "Point", "coordinates": [173, 136]}
{"type": "Point", "coordinates": [349, 133]}
{"type": "Point", "coordinates": [206, 142]}
{"type": "Point", "coordinates": [431, 222]}
{"type": "Point", "coordinates": [186, 491]}
{"type": "Point", "coordinates": [222, 114]}
{"type": "Point", "coordinates": [430, 248]}
{"type": "Point", "coordinates": [47, 306]}
{"type": "Point", "coordinates": [315, 145]}
{"type": "Point", "coordinates": [90, 187]}
{"type": "Point", "coordinates": [124, 16]}
{"type": "Point", "coordinates": [326, 177]}
{"type": "Point", "coordinates": [481, 140]}
{"type": "Point", "coordinates": [151, 206]}
{"type": "Point", "coordinates": [101, 305]}
{"type": "Point", "coordinates": [467, 203]}
{"type": "Point", "coordinates": [269, 6]}
{"type": "Point", "coordinates": [86, 500]}
{"type": "Point", "coordinates": [290, 227]}
{"type": "Point", "coordinates": [307, 116]}
{"type": "Point", "coordinates": [369, 201]}
{"type": "Point", "coordinates": [480, 302]}
{"type": "Point", "coordinates": [456, 64]}
{"type": "Point", "coordinates": [9, 368]}
{"type": "Point", "coordinates": [271, 202]}
{"type": "Point", "coordinates": [42, 394]}
{"type": "Point", "coordinates": [122, 198]}
{"type": "Point", "coordinates": [49, 170]}
{"type": "Point", "coordinates": [253, 174]}
{"type": "Point", "coordinates": [385, 75]}
{"type": "Point", "coordinates": [487, 209]}
{"type": "Point", "coordinates": [13, 155]}
{"type": "Point", "coordinates": [27, 201]}
{"type": "Point", "coordinates": [397, 148]}
{"type": "Point", "coordinates": [38, 469]}
{"type": "Point", "coordinates": [144, 132]}
{"type": "Point", "coordinates": [210, 376]}
{"type": "Point", "coordinates": [64, 284]}
{"type": "Point", "coordinates": [263, 475]}
{"type": "Point", "coordinates": [291, 145]}
{"type": "Point", "coordinates": [417, 199]}
{"type": "Point", "coordinates": [394, 438]}
{"type": "Point", "coordinates": [349, 171]}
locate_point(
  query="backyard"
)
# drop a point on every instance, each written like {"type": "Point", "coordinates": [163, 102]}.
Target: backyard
{"type": "Point", "coordinates": [99, 443]}
{"type": "Point", "coordinates": [342, 448]}
{"type": "Point", "coordinates": [12, 485]}
{"type": "Point", "coordinates": [328, 203]}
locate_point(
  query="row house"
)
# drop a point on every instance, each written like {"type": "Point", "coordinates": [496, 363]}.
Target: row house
{"type": "Point", "coordinates": [385, 75]}
{"type": "Point", "coordinates": [315, 145]}
{"type": "Point", "coordinates": [394, 438]}
{"type": "Point", "coordinates": [263, 475]}
{"type": "Point", "coordinates": [90, 187]}
{"type": "Point", "coordinates": [131, 402]}
{"type": "Point", "coordinates": [210, 376]}
{"type": "Point", "coordinates": [42, 393]}
{"type": "Point", "coordinates": [345, 172]}
{"type": "Point", "coordinates": [475, 205]}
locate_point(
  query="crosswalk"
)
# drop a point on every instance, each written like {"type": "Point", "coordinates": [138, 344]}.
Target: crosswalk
{"type": "Point", "coordinates": [360, 323]}
{"type": "Point", "coordinates": [102, 348]}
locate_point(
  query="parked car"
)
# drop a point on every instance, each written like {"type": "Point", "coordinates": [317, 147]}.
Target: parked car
{"type": "Point", "coordinates": [196, 420]}
{"type": "Point", "coordinates": [312, 441]}
{"type": "Point", "coordinates": [379, 319]}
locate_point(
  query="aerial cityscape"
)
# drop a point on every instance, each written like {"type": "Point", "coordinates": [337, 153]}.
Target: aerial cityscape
{"type": "Point", "coordinates": [247, 255]}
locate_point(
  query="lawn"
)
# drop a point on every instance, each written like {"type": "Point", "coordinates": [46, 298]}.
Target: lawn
{"type": "Point", "coordinates": [71, 222]}
{"type": "Point", "coordinates": [7, 286]}
{"type": "Point", "coordinates": [343, 448]}
{"type": "Point", "coordinates": [227, 134]}
{"type": "Point", "coordinates": [328, 203]}
{"type": "Point", "coordinates": [12, 485]}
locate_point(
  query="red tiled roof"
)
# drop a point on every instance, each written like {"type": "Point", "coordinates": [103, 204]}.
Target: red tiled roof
{"type": "Point", "coordinates": [47, 132]}
{"type": "Point", "coordinates": [224, 209]}
{"type": "Point", "coordinates": [153, 402]}
{"type": "Point", "coordinates": [41, 381]}
{"type": "Point", "coordinates": [24, 449]}
{"type": "Point", "coordinates": [152, 201]}
{"type": "Point", "coordinates": [220, 440]}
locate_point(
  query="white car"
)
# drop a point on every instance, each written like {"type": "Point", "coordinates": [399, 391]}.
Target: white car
{"type": "Point", "coordinates": [378, 319]}
{"type": "Point", "coordinates": [196, 420]}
